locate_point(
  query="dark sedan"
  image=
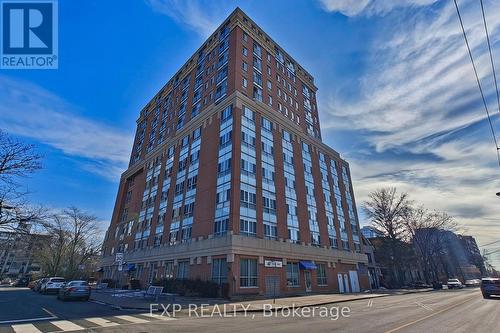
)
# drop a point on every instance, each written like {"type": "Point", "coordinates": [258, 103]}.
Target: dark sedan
{"type": "Point", "coordinates": [490, 287]}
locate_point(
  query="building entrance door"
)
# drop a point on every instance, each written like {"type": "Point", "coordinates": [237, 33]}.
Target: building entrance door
{"type": "Point", "coordinates": [272, 285]}
{"type": "Point", "coordinates": [308, 281]}
{"type": "Point", "coordinates": [346, 284]}
{"type": "Point", "coordinates": [341, 283]}
{"type": "Point", "coordinates": [353, 275]}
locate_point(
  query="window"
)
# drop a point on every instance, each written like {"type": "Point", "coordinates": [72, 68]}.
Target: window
{"type": "Point", "coordinates": [197, 133]}
{"type": "Point", "coordinates": [188, 210]}
{"type": "Point", "coordinates": [257, 64]}
{"type": "Point", "coordinates": [224, 167]}
{"type": "Point", "coordinates": [292, 274]}
{"type": "Point", "coordinates": [257, 50]}
{"type": "Point", "coordinates": [182, 269]}
{"type": "Point", "coordinates": [225, 139]}
{"type": "Point", "coordinates": [248, 199]}
{"type": "Point", "coordinates": [257, 78]}
{"type": "Point", "coordinates": [269, 85]}
{"type": "Point", "coordinates": [269, 205]}
{"type": "Point", "coordinates": [321, 274]}
{"type": "Point", "coordinates": [220, 227]}
{"type": "Point", "coordinates": [186, 233]}
{"type": "Point", "coordinates": [270, 231]}
{"type": "Point", "coordinates": [219, 271]}
{"type": "Point", "coordinates": [245, 36]}
{"type": "Point", "coordinates": [245, 51]}
{"type": "Point", "coordinates": [244, 66]}
{"type": "Point", "coordinates": [257, 93]}
{"type": "Point", "coordinates": [244, 83]}
{"type": "Point", "coordinates": [248, 273]}
{"type": "Point", "coordinates": [248, 228]}
{"type": "Point", "coordinates": [226, 114]}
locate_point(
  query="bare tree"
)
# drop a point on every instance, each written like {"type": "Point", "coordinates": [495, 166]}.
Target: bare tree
{"type": "Point", "coordinates": [425, 232]}
{"type": "Point", "coordinates": [75, 242]}
{"type": "Point", "coordinates": [53, 251]}
{"type": "Point", "coordinates": [386, 211]}
{"type": "Point", "coordinates": [17, 160]}
{"type": "Point", "coordinates": [84, 241]}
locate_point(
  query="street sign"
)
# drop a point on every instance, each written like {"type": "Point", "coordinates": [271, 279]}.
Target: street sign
{"type": "Point", "coordinates": [273, 263]}
{"type": "Point", "coordinates": [119, 258]}
{"type": "Point", "coordinates": [120, 267]}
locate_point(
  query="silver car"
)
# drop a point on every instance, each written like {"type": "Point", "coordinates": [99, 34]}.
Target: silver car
{"type": "Point", "coordinates": [52, 285]}
{"type": "Point", "coordinates": [74, 290]}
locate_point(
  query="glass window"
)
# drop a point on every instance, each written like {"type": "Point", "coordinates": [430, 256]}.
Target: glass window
{"type": "Point", "coordinates": [292, 274]}
{"type": "Point", "coordinates": [182, 269]}
{"type": "Point", "coordinates": [219, 270]}
{"type": "Point", "coordinates": [321, 274]}
{"type": "Point", "coordinates": [248, 273]}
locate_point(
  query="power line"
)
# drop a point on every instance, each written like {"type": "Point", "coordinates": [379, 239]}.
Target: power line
{"type": "Point", "coordinates": [491, 56]}
{"type": "Point", "coordinates": [497, 241]}
{"type": "Point", "coordinates": [492, 252]}
{"type": "Point", "coordinates": [478, 81]}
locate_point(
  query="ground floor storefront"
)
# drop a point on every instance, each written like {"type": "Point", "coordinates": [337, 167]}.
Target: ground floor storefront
{"type": "Point", "coordinates": [249, 267]}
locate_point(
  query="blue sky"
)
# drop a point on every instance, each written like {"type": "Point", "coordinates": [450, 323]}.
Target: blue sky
{"type": "Point", "coordinates": [397, 95]}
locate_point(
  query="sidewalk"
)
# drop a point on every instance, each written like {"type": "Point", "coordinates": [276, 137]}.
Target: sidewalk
{"type": "Point", "coordinates": [316, 300]}
{"type": "Point", "coordinates": [132, 301]}
{"type": "Point", "coordinates": [124, 300]}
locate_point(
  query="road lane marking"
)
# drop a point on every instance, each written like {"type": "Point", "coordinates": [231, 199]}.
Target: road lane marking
{"type": "Point", "coordinates": [422, 305]}
{"type": "Point", "coordinates": [25, 320]}
{"type": "Point", "coordinates": [50, 313]}
{"type": "Point", "coordinates": [429, 316]}
{"type": "Point", "coordinates": [67, 325]}
{"type": "Point", "coordinates": [101, 322]}
{"type": "Point", "coordinates": [25, 328]}
{"type": "Point", "coordinates": [131, 319]}
{"type": "Point", "coordinates": [157, 316]}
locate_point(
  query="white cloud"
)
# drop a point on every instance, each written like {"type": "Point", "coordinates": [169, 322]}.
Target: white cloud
{"type": "Point", "coordinates": [31, 111]}
{"type": "Point", "coordinates": [202, 17]}
{"type": "Point", "coordinates": [417, 95]}
{"type": "Point", "coordinates": [370, 7]}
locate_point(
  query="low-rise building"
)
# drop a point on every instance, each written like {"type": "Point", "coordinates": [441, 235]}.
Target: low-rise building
{"type": "Point", "coordinates": [18, 253]}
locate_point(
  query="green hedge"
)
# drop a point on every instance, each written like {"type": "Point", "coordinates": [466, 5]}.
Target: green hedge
{"type": "Point", "coordinates": [198, 287]}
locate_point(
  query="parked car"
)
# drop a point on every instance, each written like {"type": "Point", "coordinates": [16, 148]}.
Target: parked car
{"type": "Point", "coordinates": [6, 281]}
{"type": "Point", "coordinates": [74, 289]}
{"type": "Point", "coordinates": [39, 283]}
{"type": "Point", "coordinates": [490, 286]}
{"type": "Point", "coordinates": [52, 285]}
{"type": "Point", "coordinates": [472, 283]}
{"type": "Point", "coordinates": [32, 284]}
{"type": "Point", "coordinates": [21, 282]}
{"type": "Point", "coordinates": [454, 284]}
{"type": "Point", "coordinates": [420, 285]}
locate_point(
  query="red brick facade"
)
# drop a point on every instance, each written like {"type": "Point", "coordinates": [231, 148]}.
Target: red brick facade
{"type": "Point", "coordinates": [178, 209]}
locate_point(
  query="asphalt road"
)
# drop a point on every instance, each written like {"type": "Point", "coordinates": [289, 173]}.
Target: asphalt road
{"type": "Point", "coordinates": [443, 311]}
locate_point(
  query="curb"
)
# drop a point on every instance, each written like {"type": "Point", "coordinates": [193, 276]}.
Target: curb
{"type": "Point", "coordinates": [118, 307]}
{"type": "Point", "coordinates": [333, 302]}
{"type": "Point", "coordinates": [277, 308]}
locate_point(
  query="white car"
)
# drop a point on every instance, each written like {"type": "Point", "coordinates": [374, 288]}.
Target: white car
{"type": "Point", "coordinates": [52, 285]}
{"type": "Point", "coordinates": [454, 284]}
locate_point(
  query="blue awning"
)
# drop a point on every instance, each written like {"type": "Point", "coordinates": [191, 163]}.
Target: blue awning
{"type": "Point", "coordinates": [307, 265]}
{"type": "Point", "coordinates": [131, 267]}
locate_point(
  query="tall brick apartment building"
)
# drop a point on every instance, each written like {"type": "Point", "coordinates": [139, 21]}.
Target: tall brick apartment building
{"type": "Point", "coordinates": [229, 179]}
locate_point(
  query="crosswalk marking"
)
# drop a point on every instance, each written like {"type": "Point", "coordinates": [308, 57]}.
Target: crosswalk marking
{"type": "Point", "coordinates": [66, 325]}
{"type": "Point", "coordinates": [132, 319]}
{"type": "Point", "coordinates": [101, 322]}
{"type": "Point", "coordinates": [25, 328]}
